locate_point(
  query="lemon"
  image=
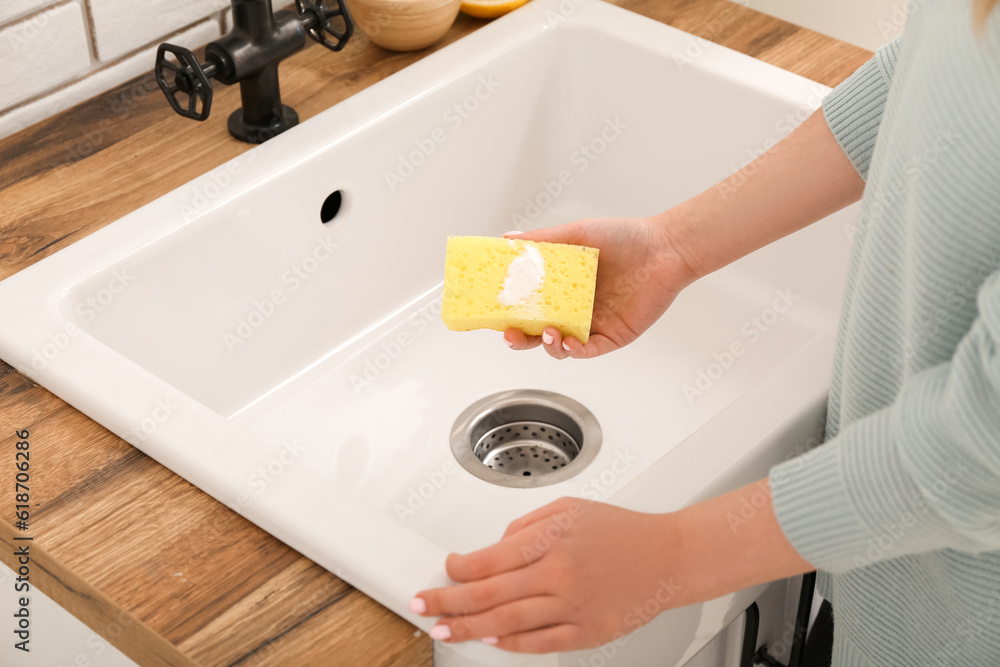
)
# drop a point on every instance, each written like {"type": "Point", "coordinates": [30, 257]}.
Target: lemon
{"type": "Point", "coordinates": [490, 9]}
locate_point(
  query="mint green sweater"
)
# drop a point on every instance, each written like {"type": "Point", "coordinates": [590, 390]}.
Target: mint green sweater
{"type": "Point", "coordinates": [900, 507]}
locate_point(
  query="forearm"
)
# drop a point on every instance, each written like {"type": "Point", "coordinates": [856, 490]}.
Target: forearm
{"type": "Point", "coordinates": [729, 543]}
{"type": "Point", "coordinates": [802, 179]}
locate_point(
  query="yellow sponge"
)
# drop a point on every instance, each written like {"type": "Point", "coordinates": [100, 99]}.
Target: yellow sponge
{"type": "Point", "coordinates": [495, 283]}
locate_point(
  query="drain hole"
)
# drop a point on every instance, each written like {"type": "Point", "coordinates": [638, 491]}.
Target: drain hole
{"type": "Point", "coordinates": [525, 439]}
{"type": "Point", "coordinates": [511, 436]}
{"type": "Point", "coordinates": [331, 206]}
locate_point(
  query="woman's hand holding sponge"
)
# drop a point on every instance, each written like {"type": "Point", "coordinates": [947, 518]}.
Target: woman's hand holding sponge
{"type": "Point", "coordinates": [544, 287]}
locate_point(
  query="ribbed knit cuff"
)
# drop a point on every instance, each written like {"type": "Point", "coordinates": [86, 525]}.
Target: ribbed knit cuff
{"type": "Point", "coordinates": [815, 511]}
{"type": "Point", "coordinates": [853, 110]}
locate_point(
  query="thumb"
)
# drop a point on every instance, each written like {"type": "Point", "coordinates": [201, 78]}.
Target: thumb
{"type": "Point", "coordinates": [567, 233]}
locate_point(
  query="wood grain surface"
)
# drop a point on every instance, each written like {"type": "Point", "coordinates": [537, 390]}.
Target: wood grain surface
{"type": "Point", "coordinates": [145, 559]}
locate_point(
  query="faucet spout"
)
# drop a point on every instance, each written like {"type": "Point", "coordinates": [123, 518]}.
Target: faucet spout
{"type": "Point", "coordinates": [249, 55]}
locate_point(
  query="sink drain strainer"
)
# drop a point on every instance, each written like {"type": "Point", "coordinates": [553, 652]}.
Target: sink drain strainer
{"type": "Point", "coordinates": [525, 438]}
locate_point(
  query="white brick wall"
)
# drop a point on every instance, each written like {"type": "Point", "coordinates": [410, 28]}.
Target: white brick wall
{"type": "Point", "coordinates": [121, 26]}
{"type": "Point", "coordinates": [57, 53]}
{"type": "Point", "coordinates": [42, 51]}
{"type": "Point", "coordinates": [101, 79]}
{"type": "Point", "coordinates": [13, 9]}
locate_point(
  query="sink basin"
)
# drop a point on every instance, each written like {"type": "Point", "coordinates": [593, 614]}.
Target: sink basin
{"type": "Point", "coordinates": [271, 332]}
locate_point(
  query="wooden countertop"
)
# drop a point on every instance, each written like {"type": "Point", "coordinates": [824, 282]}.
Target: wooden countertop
{"type": "Point", "coordinates": [157, 567]}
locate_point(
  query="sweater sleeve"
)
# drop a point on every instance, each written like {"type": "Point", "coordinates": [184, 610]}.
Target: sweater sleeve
{"type": "Point", "coordinates": [853, 110]}
{"type": "Point", "coordinates": [922, 474]}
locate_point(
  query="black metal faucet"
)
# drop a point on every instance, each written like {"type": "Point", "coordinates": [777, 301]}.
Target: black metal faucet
{"type": "Point", "coordinates": [249, 55]}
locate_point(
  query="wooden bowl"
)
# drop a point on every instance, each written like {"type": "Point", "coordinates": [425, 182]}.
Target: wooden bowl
{"type": "Point", "coordinates": [404, 25]}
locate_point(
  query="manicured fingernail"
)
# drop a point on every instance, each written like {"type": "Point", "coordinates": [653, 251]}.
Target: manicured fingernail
{"type": "Point", "coordinates": [418, 606]}
{"type": "Point", "coordinates": [440, 632]}
{"type": "Point", "coordinates": [489, 640]}
{"type": "Point", "coordinates": [565, 346]}
{"type": "Point", "coordinates": [509, 343]}
{"type": "Point", "coordinates": [547, 338]}
{"type": "Point", "coordinates": [513, 233]}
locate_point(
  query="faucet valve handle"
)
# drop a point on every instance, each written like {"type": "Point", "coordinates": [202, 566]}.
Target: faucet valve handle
{"type": "Point", "coordinates": [317, 18]}
{"type": "Point", "coordinates": [189, 77]}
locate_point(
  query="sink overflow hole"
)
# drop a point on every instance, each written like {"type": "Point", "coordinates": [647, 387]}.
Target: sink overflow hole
{"type": "Point", "coordinates": [331, 206]}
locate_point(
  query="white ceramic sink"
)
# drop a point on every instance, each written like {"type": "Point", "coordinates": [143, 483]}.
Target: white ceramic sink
{"type": "Point", "coordinates": [299, 372]}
